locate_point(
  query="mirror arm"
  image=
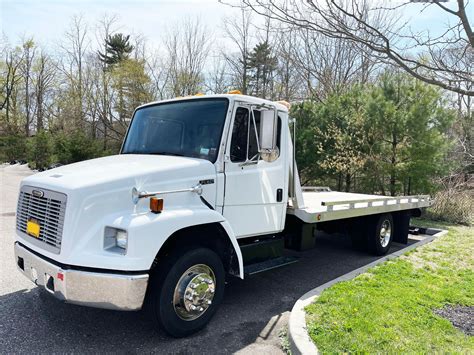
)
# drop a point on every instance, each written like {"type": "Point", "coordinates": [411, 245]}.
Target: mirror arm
{"type": "Point", "coordinates": [255, 130]}
{"type": "Point", "coordinates": [137, 194]}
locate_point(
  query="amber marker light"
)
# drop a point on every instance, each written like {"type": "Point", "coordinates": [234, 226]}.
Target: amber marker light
{"type": "Point", "coordinates": [156, 204]}
{"type": "Point", "coordinates": [285, 103]}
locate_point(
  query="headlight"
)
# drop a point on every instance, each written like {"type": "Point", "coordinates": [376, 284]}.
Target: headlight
{"type": "Point", "coordinates": [115, 240]}
{"type": "Point", "coordinates": [121, 239]}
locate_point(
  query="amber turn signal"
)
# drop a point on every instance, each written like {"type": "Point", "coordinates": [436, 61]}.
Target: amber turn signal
{"type": "Point", "coordinates": [156, 205]}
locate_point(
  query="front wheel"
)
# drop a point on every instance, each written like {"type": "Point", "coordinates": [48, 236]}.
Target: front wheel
{"type": "Point", "coordinates": [186, 293]}
{"type": "Point", "coordinates": [381, 234]}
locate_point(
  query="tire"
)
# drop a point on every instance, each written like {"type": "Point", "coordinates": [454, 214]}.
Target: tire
{"type": "Point", "coordinates": [197, 271]}
{"type": "Point", "coordinates": [381, 232]}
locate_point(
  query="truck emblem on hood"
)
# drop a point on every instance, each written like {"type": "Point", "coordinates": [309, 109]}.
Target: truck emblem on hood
{"type": "Point", "coordinates": [37, 193]}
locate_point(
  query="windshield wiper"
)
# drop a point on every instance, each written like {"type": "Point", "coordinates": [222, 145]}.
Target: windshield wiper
{"type": "Point", "coordinates": [155, 153]}
{"type": "Point", "coordinates": [168, 153]}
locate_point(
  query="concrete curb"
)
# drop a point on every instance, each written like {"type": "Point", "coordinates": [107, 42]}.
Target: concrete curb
{"type": "Point", "coordinates": [300, 342]}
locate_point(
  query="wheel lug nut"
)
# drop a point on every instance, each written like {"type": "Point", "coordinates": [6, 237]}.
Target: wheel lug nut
{"type": "Point", "coordinates": [201, 309]}
{"type": "Point", "coordinates": [193, 307]}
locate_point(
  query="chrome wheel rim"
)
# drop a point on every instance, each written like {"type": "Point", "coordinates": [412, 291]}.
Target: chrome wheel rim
{"type": "Point", "coordinates": [194, 292]}
{"type": "Point", "coordinates": [385, 233]}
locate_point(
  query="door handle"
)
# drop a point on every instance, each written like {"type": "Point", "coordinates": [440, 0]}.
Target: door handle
{"type": "Point", "coordinates": [248, 162]}
{"type": "Point", "coordinates": [279, 195]}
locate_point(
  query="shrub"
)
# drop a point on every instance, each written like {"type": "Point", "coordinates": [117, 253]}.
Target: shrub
{"type": "Point", "coordinates": [453, 205]}
{"type": "Point", "coordinates": [76, 146]}
{"type": "Point", "coordinates": [40, 150]}
{"type": "Point", "coordinates": [13, 147]}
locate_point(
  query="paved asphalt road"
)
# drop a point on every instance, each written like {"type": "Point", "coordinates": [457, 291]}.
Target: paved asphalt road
{"type": "Point", "coordinates": [252, 315]}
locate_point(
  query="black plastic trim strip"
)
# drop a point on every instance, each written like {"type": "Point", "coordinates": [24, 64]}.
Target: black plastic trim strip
{"type": "Point", "coordinates": [206, 203]}
{"type": "Point", "coordinates": [83, 268]}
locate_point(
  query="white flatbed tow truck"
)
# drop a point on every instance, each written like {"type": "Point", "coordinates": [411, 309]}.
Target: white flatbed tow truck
{"type": "Point", "coordinates": [203, 187]}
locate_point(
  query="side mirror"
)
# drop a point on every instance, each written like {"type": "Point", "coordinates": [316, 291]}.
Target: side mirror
{"type": "Point", "coordinates": [268, 134]}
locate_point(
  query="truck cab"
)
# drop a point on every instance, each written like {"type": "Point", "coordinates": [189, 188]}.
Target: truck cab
{"type": "Point", "coordinates": [203, 187]}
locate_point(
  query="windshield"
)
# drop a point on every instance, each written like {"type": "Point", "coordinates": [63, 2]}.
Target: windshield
{"type": "Point", "coordinates": [185, 128]}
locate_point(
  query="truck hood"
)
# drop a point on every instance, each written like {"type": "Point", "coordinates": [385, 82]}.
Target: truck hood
{"type": "Point", "coordinates": [135, 170]}
{"type": "Point", "coordinates": [99, 194]}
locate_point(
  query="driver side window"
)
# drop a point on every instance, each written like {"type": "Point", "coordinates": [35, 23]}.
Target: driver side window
{"type": "Point", "coordinates": [243, 145]}
{"type": "Point", "coordinates": [240, 131]}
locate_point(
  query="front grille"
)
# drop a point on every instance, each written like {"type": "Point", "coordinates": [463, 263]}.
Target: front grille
{"type": "Point", "coordinates": [47, 208]}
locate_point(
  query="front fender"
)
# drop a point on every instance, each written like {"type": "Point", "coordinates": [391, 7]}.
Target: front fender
{"type": "Point", "coordinates": [230, 234]}
{"type": "Point", "coordinates": [148, 232]}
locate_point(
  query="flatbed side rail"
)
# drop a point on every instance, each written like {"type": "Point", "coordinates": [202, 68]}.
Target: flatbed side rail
{"type": "Point", "coordinates": [315, 189]}
{"type": "Point", "coordinates": [382, 201]}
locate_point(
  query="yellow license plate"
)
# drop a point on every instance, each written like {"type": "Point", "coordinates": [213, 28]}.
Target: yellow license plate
{"type": "Point", "coordinates": [33, 229]}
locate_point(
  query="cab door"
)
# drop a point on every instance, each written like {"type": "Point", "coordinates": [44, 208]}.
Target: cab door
{"type": "Point", "coordinates": [255, 190]}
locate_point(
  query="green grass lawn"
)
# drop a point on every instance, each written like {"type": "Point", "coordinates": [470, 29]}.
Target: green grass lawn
{"type": "Point", "coordinates": [390, 307]}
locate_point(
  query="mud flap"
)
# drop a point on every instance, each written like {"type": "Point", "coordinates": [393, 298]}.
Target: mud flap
{"type": "Point", "coordinates": [401, 222]}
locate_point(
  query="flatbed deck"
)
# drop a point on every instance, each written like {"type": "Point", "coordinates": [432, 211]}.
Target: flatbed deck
{"type": "Point", "coordinates": [322, 205]}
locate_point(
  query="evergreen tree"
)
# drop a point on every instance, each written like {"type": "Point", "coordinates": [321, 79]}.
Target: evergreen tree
{"type": "Point", "coordinates": [388, 138]}
{"type": "Point", "coordinates": [40, 150]}
{"type": "Point", "coordinates": [331, 139]}
{"type": "Point", "coordinates": [262, 64]}
{"type": "Point", "coordinates": [118, 49]}
{"type": "Point", "coordinates": [407, 122]}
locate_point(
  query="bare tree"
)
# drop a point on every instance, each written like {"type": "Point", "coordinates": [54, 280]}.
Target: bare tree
{"type": "Point", "coordinates": [238, 31]}
{"type": "Point", "coordinates": [329, 65]}
{"type": "Point", "coordinates": [382, 30]}
{"type": "Point", "coordinates": [139, 47]}
{"type": "Point", "coordinates": [160, 76]}
{"type": "Point", "coordinates": [29, 50]}
{"type": "Point", "coordinates": [464, 132]}
{"type": "Point", "coordinates": [76, 46]}
{"type": "Point", "coordinates": [43, 80]}
{"type": "Point", "coordinates": [217, 78]}
{"type": "Point", "coordinates": [10, 85]}
{"type": "Point", "coordinates": [102, 96]}
{"type": "Point", "coordinates": [188, 45]}
{"type": "Point", "coordinates": [288, 86]}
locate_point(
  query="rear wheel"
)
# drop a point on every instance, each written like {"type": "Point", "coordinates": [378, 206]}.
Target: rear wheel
{"type": "Point", "coordinates": [381, 233]}
{"type": "Point", "coordinates": [186, 292]}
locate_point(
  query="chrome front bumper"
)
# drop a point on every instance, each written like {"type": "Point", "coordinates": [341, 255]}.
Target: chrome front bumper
{"type": "Point", "coordinates": [93, 289]}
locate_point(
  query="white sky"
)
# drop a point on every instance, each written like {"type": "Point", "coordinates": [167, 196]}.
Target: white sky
{"type": "Point", "coordinates": [47, 20]}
